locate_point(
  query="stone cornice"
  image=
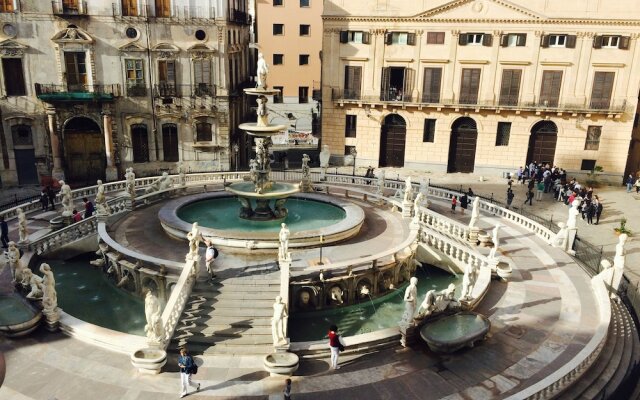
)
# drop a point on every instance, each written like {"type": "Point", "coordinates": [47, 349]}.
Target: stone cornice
{"type": "Point", "coordinates": [549, 21]}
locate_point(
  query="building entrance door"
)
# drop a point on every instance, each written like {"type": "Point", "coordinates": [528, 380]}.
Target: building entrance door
{"type": "Point", "coordinates": [462, 145]}
{"type": "Point", "coordinates": [542, 143]}
{"type": "Point", "coordinates": [393, 137]}
{"type": "Point", "coordinates": [26, 166]}
{"type": "Point", "coordinates": [84, 151]}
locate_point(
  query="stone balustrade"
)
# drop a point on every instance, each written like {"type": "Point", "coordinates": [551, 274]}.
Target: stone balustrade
{"type": "Point", "coordinates": [61, 237]}
{"type": "Point", "coordinates": [442, 224]}
{"type": "Point", "coordinates": [179, 296]}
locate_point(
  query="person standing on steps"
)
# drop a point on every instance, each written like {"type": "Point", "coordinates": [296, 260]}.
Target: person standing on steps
{"type": "Point", "coordinates": [464, 202]}
{"type": "Point", "coordinates": [210, 257]}
{"type": "Point", "coordinates": [454, 202]}
{"type": "Point", "coordinates": [336, 344]}
{"type": "Point", "coordinates": [597, 207]}
{"type": "Point", "coordinates": [510, 197]}
{"type": "Point", "coordinates": [287, 389]}
{"type": "Point", "coordinates": [630, 182]}
{"type": "Point", "coordinates": [52, 197]}
{"type": "Point", "coordinates": [187, 367]}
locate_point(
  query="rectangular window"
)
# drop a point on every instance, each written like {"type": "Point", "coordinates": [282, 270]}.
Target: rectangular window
{"type": "Point", "coordinates": [431, 85]}
{"type": "Point", "coordinates": [305, 3]}
{"type": "Point", "coordinates": [610, 41]}
{"type": "Point", "coordinates": [469, 85]}
{"type": "Point", "coordinates": [303, 59]}
{"type": "Point", "coordinates": [348, 150]}
{"type": "Point", "coordinates": [305, 30]}
{"type": "Point", "coordinates": [278, 2]}
{"type": "Point", "coordinates": [602, 89]}
{"type": "Point", "coordinates": [130, 8]}
{"type": "Point", "coordinates": [13, 73]}
{"type": "Point", "coordinates": [510, 87]}
{"type": "Point", "coordinates": [474, 38]}
{"type": "Point", "coordinates": [400, 38]}
{"type": "Point", "coordinates": [76, 70]}
{"type": "Point", "coordinates": [354, 37]}
{"type": "Point", "coordinates": [588, 165]}
{"type": "Point", "coordinates": [303, 94]}
{"type": "Point", "coordinates": [163, 8]}
{"type": "Point", "coordinates": [593, 137]}
{"type": "Point", "coordinates": [550, 88]}
{"type": "Point", "coordinates": [278, 98]}
{"type": "Point", "coordinates": [557, 40]}
{"type": "Point", "coordinates": [397, 84]}
{"type": "Point", "coordinates": [202, 78]}
{"type": "Point", "coordinates": [503, 133]}
{"type": "Point", "coordinates": [278, 59]}
{"type": "Point", "coordinates": [435, 37]}
{"type": "Point", "coordinates": [351, 122]}
{"type": "Point", "coordinates": [352, 82]}
{"type": "Point", "coordinates": [429, 132]}
{"type": "Point", "coordinates": [513, 40]}
{"type": "Point", "coordinates": [278, 29]}
{"type": "Point", "coordinates": [203, 132]}
{"type": "Point", "coordinates": [6, 6]}
{"type": "Point", "coordinates": [134, 70]}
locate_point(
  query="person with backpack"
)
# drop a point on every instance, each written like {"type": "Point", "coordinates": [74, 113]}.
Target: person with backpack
{"type": "Point", "coordinates": [188, 367]}
{"type": "Point", "coordinates": [336, 344]}
{"type": "Point", "coordinates": [210, 257]}
{"type": "Point", "coordinates": [510, 196]}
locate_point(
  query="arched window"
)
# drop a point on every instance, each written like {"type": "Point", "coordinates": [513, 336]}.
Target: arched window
{"type": "Point", "coordinates": [170, 142]}
{"type": "Point", "coordinates": [140, 143]}
{"type": "Point", "coordinates": [203, 132]}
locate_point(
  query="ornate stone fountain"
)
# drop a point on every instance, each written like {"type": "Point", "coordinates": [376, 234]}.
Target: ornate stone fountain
{"type": "Point", "coordinates": [260, 189]}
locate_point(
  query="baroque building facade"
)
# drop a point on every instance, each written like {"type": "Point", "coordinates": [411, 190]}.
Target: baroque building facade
{"type": "Point", "coordinates": [482, 86]}
{"type": "Point", "coordinates": [89, 88]}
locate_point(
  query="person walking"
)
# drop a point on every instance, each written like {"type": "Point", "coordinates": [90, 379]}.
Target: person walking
{"type": "Point", "coordinates": [44, 200]}
{"type": "Point", "coordinates": [88, 207]}
{"type": "Point", "coordinates": [336, 344]}
{"type": "Point", "coordinates": [287, 389]}
{"type": "Point", "coordinates": [529, 197]}
{"type": "Point", "coordinates": [510, 196]}
{"type": "Point", "coordinates": [591, 211]}
{"type": "Point", "coordinates": [454, 202]}
{"type": "Point", "coordinates": [4, 232]}
{"type": "Point", "coordinates": [630, 182]}
{"type": "Point", "coordinates": [598, 208]}
{"type": "Point", "coordinates": [52, 197]}
{"type": "Point", "coordinates": [464, 202]}
{"type": "Point", "coordinates": [187, 368]}
{"type": "Point", "coordinates": [539, 190]}
{"type": "Point", "coordinates": [210, 257]}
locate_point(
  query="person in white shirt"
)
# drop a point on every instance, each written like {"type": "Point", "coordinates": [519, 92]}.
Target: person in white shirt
{"type": "Point", "coordinates": [209, 257]}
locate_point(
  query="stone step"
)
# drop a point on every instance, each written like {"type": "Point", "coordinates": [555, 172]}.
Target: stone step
{"type": "Point", "coordinates": [262, 294]}
{"type": "Point", "coordinates": [616, 380]}
{"type": "Point", "coordinates": [224, 302]}
{"type": "Point", "coordinates": [224, 330]}
{"type": "Point", "coordinates": [247, 282]}
{"type": "Point", "coordinates": [231, 320]}
{"type": "Point", "coordinates": [244, 340]}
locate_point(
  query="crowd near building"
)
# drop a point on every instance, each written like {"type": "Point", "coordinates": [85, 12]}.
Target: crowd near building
{"type": "Point", "coordinates": [89, 88]}
{"type": "Point", "coordinates": [483, 86]}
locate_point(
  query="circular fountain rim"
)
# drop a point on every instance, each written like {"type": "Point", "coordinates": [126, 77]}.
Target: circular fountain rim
{"type": "Point", "coordinates": [342, 230]}
{"type": "Point", "coordinates": [292, 188]}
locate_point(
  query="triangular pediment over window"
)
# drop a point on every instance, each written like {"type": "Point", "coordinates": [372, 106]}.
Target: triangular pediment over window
{"type": "Point", "coordinates": [481, 9]}
{"type": "Point", "coordinates": [165, 48]}
{"type": "Point", "coordinates": [201, 48]}
{"type": "Point", "coordinates": [12, 48]}
{"type": "Point", "coordinates": [72, 34]}
{"type": "Point", "coordinates": [131, 47]}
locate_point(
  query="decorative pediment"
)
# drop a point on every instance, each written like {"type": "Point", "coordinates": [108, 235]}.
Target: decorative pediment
{"type": "Point", "coordinates": [166, 50]}
{"type": "Point", "coordinates": [72, 34]}
{"type": "Point", "coordinates": [480, 9]}
{"type": "Point", "coordinates": [12, 48]}
{"type": "Point", "coordinates": [131, 47]}
{"type": "Point", "coordinates": [200, 51]}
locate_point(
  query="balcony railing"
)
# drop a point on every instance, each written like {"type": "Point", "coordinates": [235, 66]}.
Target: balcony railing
{"type": "Point", "coordinates": [61, 7]}
{"type": "Point", "coordinates": [238, 16]}
{"type": "Point", "coordinates": [506, 103]}
{"type": "Point", "coordinates": [51, 92]}
{"type": "Point", "coordinates": [136, 90]}
{"type": "Point", "coordinates": [166, 90]}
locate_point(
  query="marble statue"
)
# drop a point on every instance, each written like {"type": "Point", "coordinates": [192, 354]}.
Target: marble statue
{"type": "Point", "coordinates": [283, 249]}
{"type": "Point", "coordinates": [408, 190]}
{"type": "Point", "coordinates": [475, 213]}
{"type": "Point", "coordinates": [124, 279]}
{"type": "Point", "coordinates": [560, 238]}
{"type": "Point", "coordinates": [102, 208]}
{"type": "Point", "coordinates": [437, 302]}
{"type": "Point", "coordinates": [495, 240]}
{"type": "Point", "coordinates": [67, 199]}
{"type": "Point", "coordinates": [34, 282]}
{"type": "Point", "coordinates": [424, 187]}
{"type": "Point", "coordinates": [336, 294]}
{"type": "Point", "coordinates": [253, 170]}
{"type": "Point", "coordinates": [130, 178]}
{"type": "Point", "coordinates": [278, 329]}
{"type": "Point", "coordinates": [325, 155]}
{"type": "Point", "coordinates": [468, 281]}
{"type": "Point", "coordinates": [194, 237]}
{"type": "Point", "coordinates": [262, 70]}
{"type": "Point", "coordinates": [619, 258]}
{"type": "Point", "coordinates": [102, 254]}
{"type": "Point", "coordinates": [22, 226]}
{"type": "Point", "coordinates": [427, 305]}
{"type": "Point", "coordinates": [153, 313]}
{"type": "Point", "coordinates": [279, 210]}
{"type": "Point", "coordinates": [573, 215]}
{"type": "Point", "coordinates": [49, 294]}
{"type": "Point", "coordinates": [13, 255]}
{"type": "Point", "coordinates": [181, 174]}
{"type": "Point", "coordinates": [262, 106]}
{"type": "Point", "coordinates": [418, 202]}
{"type": "Point", "coordinates": [160, 184]}
{"type": "Point", "coordinates": [410, 298]}
{"type": "Point", "coordinates": [306, 173]}
{"type": "Point", "coordinates": [380, 190]}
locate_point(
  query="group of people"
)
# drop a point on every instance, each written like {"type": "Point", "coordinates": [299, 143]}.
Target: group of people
{"type": "Point", "coordinates": [632, 182]}
{"type": "Point", "coordinates": [47, 198]}
{"type": "Point", "coordinates": [464, 201]}
{"type": "Point", "coordinates": [89, 209]}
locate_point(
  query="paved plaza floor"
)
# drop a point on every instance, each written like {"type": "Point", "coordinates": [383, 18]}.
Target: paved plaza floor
{"type": "Point", "coordinates": [534, 330]}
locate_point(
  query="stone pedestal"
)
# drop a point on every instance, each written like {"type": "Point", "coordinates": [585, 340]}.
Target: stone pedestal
{"type": "Point", "coordinates": [52, 319]}
{"type": "Point", "coordinates": [407, 206]}
{"type": "Point", "coordinates": [281, 362]}
{"type": "Point", "coordinates": [306, 186]}
{"type": "Point", "coordinates": [408, 334]}
{"type": "Point", "coordinates": [67, 219]}
{"type": "Point", "coordinates": [473, 235]}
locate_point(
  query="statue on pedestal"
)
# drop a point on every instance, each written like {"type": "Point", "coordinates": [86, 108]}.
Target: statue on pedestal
{"type": "Point", "coordinates": [410, 298]}
{"type": "Point", "coordinates": [67, 199]}
{"type": "Point", "coordinates": [13, 255]}
{"type": "Point", "coordinates": [49, 294]}
{"type": "Point", "coordinates": [262, 71]}
{"type": "Point", "coordinates": [560, 238]}
{"type": "Point", "coordinates": [283, 249]}
{"type": "Point", "coordinates": [495, 240]}
{"type": "Point", "coordinates": [160, 184]}
{"type": "Point", "coordinates": [305, 183]}
{"type": "Point", "coordinates": [130, 177]}
{"type": "Point", "coordinates": [194, 237]}
{"type": "Point", "coordinates": [22, 226]}
{"type": "Point", "coordinates": [408, 190]}
{"type": "Point", "coordinates": [468, 281]}
{"type": "Point", "coordinates": [153, 313]}
{"type": "Point", "coordinates": [181, 174]}
{"type": "Point", "coordinates": [573, 215]}
{"type": "Point", "coordinates": [619, 258]}
{"type": "Point", "coordinates": [102, 208]}
{"type": "Point", "coordinates": [278, 329]}
{"type": "Point", "coordinates": [475, 213]}
{"type": "Point", "coordinates": [34, 282]}
{"type": "Point", "coordinates": [380, 190]}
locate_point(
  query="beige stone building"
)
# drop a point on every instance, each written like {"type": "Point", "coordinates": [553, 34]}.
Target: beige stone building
{"type": "Point", "coordinates": [89, 88]}
{"type": "Point", "coordinates": [289, 34]}
{"type": "Point", "coordinates": [482, 86]}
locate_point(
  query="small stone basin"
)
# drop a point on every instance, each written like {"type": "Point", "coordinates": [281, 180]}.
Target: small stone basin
{"type": "Point", "coordinates": [281, 363]}
{"type": "Point", "coordinates": [56, 223]}
{"type": "Point", "coordinates": [17, 316]}
{"type": "Point", "coordinates": [149, 360]}
{"type": "Point", "coordinates": [454, 332]}
{"type": "Point", "coordinates": [504, 271]}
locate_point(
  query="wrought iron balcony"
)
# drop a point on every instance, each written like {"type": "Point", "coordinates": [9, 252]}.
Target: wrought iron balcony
{"type": "Point", "coordinates": [69, 8]}
{"type": "Point", "coordinates": [136, 90]}
{"type": "Point", "coordinates": [167, 90]}
{"type": "Point", "coordinates": [471, 102]}
{"type": "Point", "coordinates": [76, 93]}
{"type": "Point", "coordinates": [239, 17]}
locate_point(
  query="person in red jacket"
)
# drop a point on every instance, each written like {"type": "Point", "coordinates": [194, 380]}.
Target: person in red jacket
{"type": "Point", "coordinates": [454, 202]}
{"type": "Point", "coordinates": [335, 343]}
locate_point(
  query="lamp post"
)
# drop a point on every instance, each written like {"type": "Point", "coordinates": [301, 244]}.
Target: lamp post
{"type": "Point", "coordinates": [354, 154]}
{"type": "Point", "coordinates": [236, 152]}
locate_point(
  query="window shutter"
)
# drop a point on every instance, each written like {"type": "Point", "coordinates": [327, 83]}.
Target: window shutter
{"type": "Point", "coordinates": [504, 40]}
{"type": "Point", "coordinates": [384, 87]}
{"type": "Point", "coordinates": [602, 89]}
{"type": "Point", "coordinates": [571, 41]}
{"type": "Point", "coordinates": [462, 39]}
{"type": "Point", "coordinates": [366, 37]}
{"type": "Point", "coordinates": [387, 38]}
{"type": "Point", "coordinates": [487, 40]}
{"type": "Point", "coordinates": [550, 88]}
{"type": "Point", "coordinates": [597, 42]}
{"type": "Point", "coordinates": [344, 36]}
{"type": "Point", "coordinates": [409, 78]}
{"type": "Point", "coordinates": [522, 39]}
{"type": "Point", "coordinates": [510, 87]}
{"type": "Point", "coordinates": [411, 39]}
{"type": "Point", "coordinates": [623, 43]}
{"type": "Point", "coordinates": [544, 41]}
{"type": "Point", "coordinates": [171, 72]}
{"type": "Point", "coordinates": [431, 85]}
{"type": "Point", "coordinates": [197, 71]}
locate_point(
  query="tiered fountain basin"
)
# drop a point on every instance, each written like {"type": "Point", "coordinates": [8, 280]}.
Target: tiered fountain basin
{"type": "Point", "coordinates": [311, 217]}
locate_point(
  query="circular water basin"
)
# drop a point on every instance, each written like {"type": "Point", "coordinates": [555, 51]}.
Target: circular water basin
{"type": "Point", "coordinates": [86, 293]}
{"type": "Point", "coordinates": [381, 313]}
{"type": "Point", "coordinates": [455, 331]}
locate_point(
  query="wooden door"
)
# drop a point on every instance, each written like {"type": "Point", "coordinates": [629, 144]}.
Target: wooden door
{"type": "Point", "coordinates": [13, 77]}
{"type": "Point", "coordinates": [170, 142]}
{"type": "Point", "coordinates": [542, 143]}
{"type": "Point", "coordinates": [167, 78]}
{"type": "Point", "coordinates": [6, 6]}
{"type": "Point", "coordinates": [163, 8]}
{"type": "Point", "coordinates": [140, 143]}
{"type": "Point", "coordinates": [510, 87]}
{"type": "Point", "coordinates": [352, 82]}
{"type": "Point", "coordinates": [26, 166]}
{"type": "Point", "coordinates": [393, 141]}
{"type": "Point", "coordinates": [462, 146]}
{"type": "Point", "coordinates": [85, 157]}
{"type": "Point", "coordinates": [76, 70]}
{"type": "Point", "coordinates": [602, 89]}
{"type": "Point", "coordinates": [130, 8]}
{"type": "Point", "coordinates": [550, 90]}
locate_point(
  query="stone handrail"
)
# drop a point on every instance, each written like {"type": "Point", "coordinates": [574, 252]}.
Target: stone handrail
{"type": "Point", "coordinates": [66, 235]}
{"type": "Point", "coordinates": [452, 248]}
{"type": "Point", "coordinates": [442, 224]}
{"type": "Point", "coordinates": [178, 299]}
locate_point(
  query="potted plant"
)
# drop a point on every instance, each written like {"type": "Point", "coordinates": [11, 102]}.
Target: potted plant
{"type": "Point", "coordinates": [593, 176]}
{"type": "Point", "coordinates": [622, 228]}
